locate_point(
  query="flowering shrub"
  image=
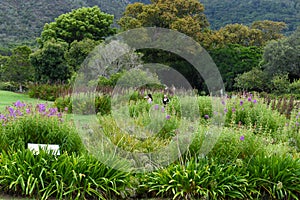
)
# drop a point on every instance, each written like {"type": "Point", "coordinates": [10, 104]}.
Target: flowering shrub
{"type": "Point", "coordinates": [250, 112]}
{"type": "Point", "coordinates": [23, 124]}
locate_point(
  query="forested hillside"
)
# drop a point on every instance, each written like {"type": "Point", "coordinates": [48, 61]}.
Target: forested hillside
{"type": "Point", "coordinates": [220, 13]}
{"type": "Point", "coordinates": [23, 20]}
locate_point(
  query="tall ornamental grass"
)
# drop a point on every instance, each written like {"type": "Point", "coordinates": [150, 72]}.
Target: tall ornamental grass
{"type": "Point", "coordinates": [68, 176]}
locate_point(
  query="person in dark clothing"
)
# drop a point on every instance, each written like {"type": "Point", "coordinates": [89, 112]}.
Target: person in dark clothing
{"type": "Point", "coordinates": [165, 100]}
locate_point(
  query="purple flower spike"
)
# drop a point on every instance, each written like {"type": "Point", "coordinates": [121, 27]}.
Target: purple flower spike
{"type": "Point", "coordinates": [19, 104]}
{"type": "Point", "coordinates": [19, 113]}
{"type": "Point", "coordinates": [168, 117]}
{"type": "Point", "coordinates": [162, 109]}
{"type": "Point", "coordinates": [52, 111]}
{"type": "Point", "coordinates": [297, 124]}
{"type": "Point", "coordinates": [242, 138]}
{"type": "Point", "coordinates": [223, 102]}
{"type": "Point", "coordinates": [27, 110]}
{"type": "Point", "coordinates": [241, 103]}
{"type": "Point", "coordinates": [225, 110]}
{"type": "Point", "coordinates": [206, 116]}
{"type": "Point", "coordinates": [42, 107]}
{"type": "Point", "coordinates": [254, 101]}
{"type": "Point", "coordinates": [2, 117]}
{"type": "Point", "coordinates": [249, 99]}
{"type": "Point", "coordinates": [11, 112]}
{"type": "Point", "coordinates": [156, 107]}
{"type": "Point", "coordinates": [233, 109]}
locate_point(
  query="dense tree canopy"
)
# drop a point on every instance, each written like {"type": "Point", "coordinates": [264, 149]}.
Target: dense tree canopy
{"type": "Point", "coordinates": [49, 62]}
{"type": "Point", "coordinates": [233, 60]}
{"type": "Point", "coordinates": [185, 16]}
{"type": "Point", "coordinates": [283, 56]}
{"type": "Point", "coordinates": [17, 67]}
{"type": "Point", "coordinates": [79, 24]}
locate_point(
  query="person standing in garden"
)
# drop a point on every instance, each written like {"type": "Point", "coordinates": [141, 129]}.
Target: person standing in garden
{"type": "Point", "coordinates": [165, 100]}
{"type": "Point", "coordinates": [149, 98]}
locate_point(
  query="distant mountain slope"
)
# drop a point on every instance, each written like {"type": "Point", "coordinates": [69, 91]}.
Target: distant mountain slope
{"type": "Point", "coordinates": [23, 20]}
{"type": "Point", "coordinates": [222, 12]}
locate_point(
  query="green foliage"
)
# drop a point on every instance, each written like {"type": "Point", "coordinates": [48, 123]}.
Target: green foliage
{"type": "Point", "coordinates": [271, 30]}
{"type": "Point", "coordinates": [79, 24]}
{"type": "Point", "coordinates": [253, 80]}
{"type": "Point", "coordinates": [49, 62]}
{"type": "Point", "coordinates": [248, 111]}
{"type": "Point", "coordinates": [63, 103]}
{"type": "Point", "coordinates": [255, 156]}
{"type": "Point", "coordinates": [280, 84]}
{"type": "Point", "coordinates": [282, 56]}
{"type": "Point", "coordinates": [18, 67]}
{"type": "Point", "coordinates": [294, 87]}
{"type": "Point", "coordinates": [86, 104]}
{"type": "Point", "coordinates": [185, 16]}
{"type": "Point", "coordinates": [246, 12]}
{"type": "Point", "coordinates": [67, 176]}
{"type": "Point", "coordinates": [233, 60]}
{"type": "Point", "coordinates": [197, 179]}
{"type": "Point", "coordinates": [47, 92]}
{"type": "Point", "coordinates": [276, 176]}
{"type": "Point", "coordinates": [30, 17]}
{"type": "Point", "coordinates": [78, 52]}
{"type": "Point", "coordinates": [23, 125]}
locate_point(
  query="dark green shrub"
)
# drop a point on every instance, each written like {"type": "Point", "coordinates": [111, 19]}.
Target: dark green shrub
{"type": "Point", "coordinates": [47, 92]}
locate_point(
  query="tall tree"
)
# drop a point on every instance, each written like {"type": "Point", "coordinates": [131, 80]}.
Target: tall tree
{"type": "Point", "coordinates": [282, 56]}
{"type": "Point", "coordinates": [240, 34]}
{"type": "Point", "coordinates": [78, 51]}
{"type": "Point", "coordinates": [18, 68]}
{"type": "Point", "coordinates": [186, 16]}
{"type": "Point", "coordinates": [79, 24]}
{"type": "Point", "coordinates": [271, 30]}
{"type": "Point", "coordinates": [233, 60]}
{"type": "Point", "coordinates": [49, 62]}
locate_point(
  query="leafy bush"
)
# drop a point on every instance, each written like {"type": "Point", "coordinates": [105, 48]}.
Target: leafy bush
{"type": "Point", "coordinates": [63, 104]}
{"type": "Point", "coordinates": [47, 92]}
{"type": "Point", "coordinates": [45, 176]}
{"type": "Point", "coordinates": [251, 112]}
{"type": "Point", "coordinates": [9, 86]}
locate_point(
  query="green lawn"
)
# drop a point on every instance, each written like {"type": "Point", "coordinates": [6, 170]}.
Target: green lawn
{"type": "Point", "coordinates": [8, 98]}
